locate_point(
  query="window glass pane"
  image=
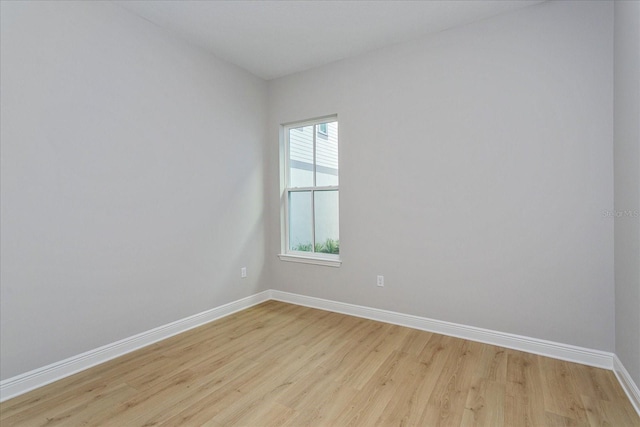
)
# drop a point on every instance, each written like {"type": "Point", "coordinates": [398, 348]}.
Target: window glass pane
{"type": "Point", "coordinates": [327, 155]}
{"type": "Point", "coordinates": [327, 230]}
{"type": "Point", "coordinates": [301, 157]}
{"type": "Point", "coordinates": [300, 222]}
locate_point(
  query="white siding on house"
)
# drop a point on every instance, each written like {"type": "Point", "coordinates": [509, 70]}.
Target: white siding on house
{"type": "Point", "coordinates": [301, 156]}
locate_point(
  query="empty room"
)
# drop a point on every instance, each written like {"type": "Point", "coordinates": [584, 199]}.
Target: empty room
{"type": "Point", "coordinates": [327, 213]}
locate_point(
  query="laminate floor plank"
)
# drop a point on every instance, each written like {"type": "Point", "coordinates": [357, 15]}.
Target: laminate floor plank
{"type": "Point", "coordinates": [317, 399]}
{"type": "Point", "coordinates": [278, 364]}
{"type": "Point", "coordinates": [447, 402]}
{"type": "Point", "coordinates": [408, 406]}
{"type": "Point", "coordinates": [561, 395]}
{"type": "Point", "coordinates": [524, 389]}
{"type": "Point", "coordinates": [367, 406]}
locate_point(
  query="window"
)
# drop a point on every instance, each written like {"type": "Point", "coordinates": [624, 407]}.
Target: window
{"type": "Point", "coordinates": [311, 193]}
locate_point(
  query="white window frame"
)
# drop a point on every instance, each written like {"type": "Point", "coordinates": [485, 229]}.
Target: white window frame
{"type": "Point", "coordinates": [318, 258]}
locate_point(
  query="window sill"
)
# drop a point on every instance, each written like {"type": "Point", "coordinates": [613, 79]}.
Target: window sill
{"type": "Point", "coordinates": [329, 262]}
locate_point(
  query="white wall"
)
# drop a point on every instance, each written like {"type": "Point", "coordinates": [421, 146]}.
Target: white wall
{"type": "Point", "coordinates": [475, 167]}
{"type": "Point", "coordinates": [132, 180]}
{"type": "Point", "coordinates": [627, 184]}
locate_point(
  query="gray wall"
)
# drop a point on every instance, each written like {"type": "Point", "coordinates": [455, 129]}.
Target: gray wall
{"type": "Point", "coordinates": [627, 184]}
{"type": "Point", "coordinates": [132, 180]}
{"type": "Point", "coordinates": [475, 167]}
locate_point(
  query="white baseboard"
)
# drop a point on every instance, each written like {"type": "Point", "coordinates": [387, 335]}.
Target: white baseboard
{"type": "Point", "coordinates": [555, 350]}
{"type": "Point", "coordinates": [627, 383]}
{"type": "Point", "coordinates": [584, 356]}
{"type": "Point", "coordinates": [23, 383]}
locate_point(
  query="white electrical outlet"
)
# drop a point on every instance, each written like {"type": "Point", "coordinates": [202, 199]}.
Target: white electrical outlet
{"type": "Point", "coordinates": [380, 281]}
{"type": "Point", "coordinates": [243, 272]}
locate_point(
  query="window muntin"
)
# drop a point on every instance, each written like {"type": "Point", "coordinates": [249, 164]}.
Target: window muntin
{"type": "Point", "coordinates": [311, 189]}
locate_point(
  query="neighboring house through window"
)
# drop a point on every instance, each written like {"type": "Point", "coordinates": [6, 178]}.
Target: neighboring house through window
{"type": "Point", "coordinates": [311, 230]}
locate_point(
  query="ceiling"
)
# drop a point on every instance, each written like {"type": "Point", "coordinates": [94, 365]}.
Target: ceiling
{"type": "Point", "coordinates": [275, 38]}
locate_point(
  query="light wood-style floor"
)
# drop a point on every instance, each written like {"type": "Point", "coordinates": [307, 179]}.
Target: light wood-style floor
{"type": "Point", "coordinates": [280, 364]}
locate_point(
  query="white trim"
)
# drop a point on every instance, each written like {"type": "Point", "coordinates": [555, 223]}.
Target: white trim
{"type": "Point", "coordinates": [28, 381]}
{"type": "Point", "coordinates": [317, 260]}
{"type": "Point", "coordinates": [309, 122]}
{"type": "Point", "coordinates": [555, 350]}
{"type": "Point", "coordinates": [627, 383]}
{"type": "Point", "coordinates": [321, 188]}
